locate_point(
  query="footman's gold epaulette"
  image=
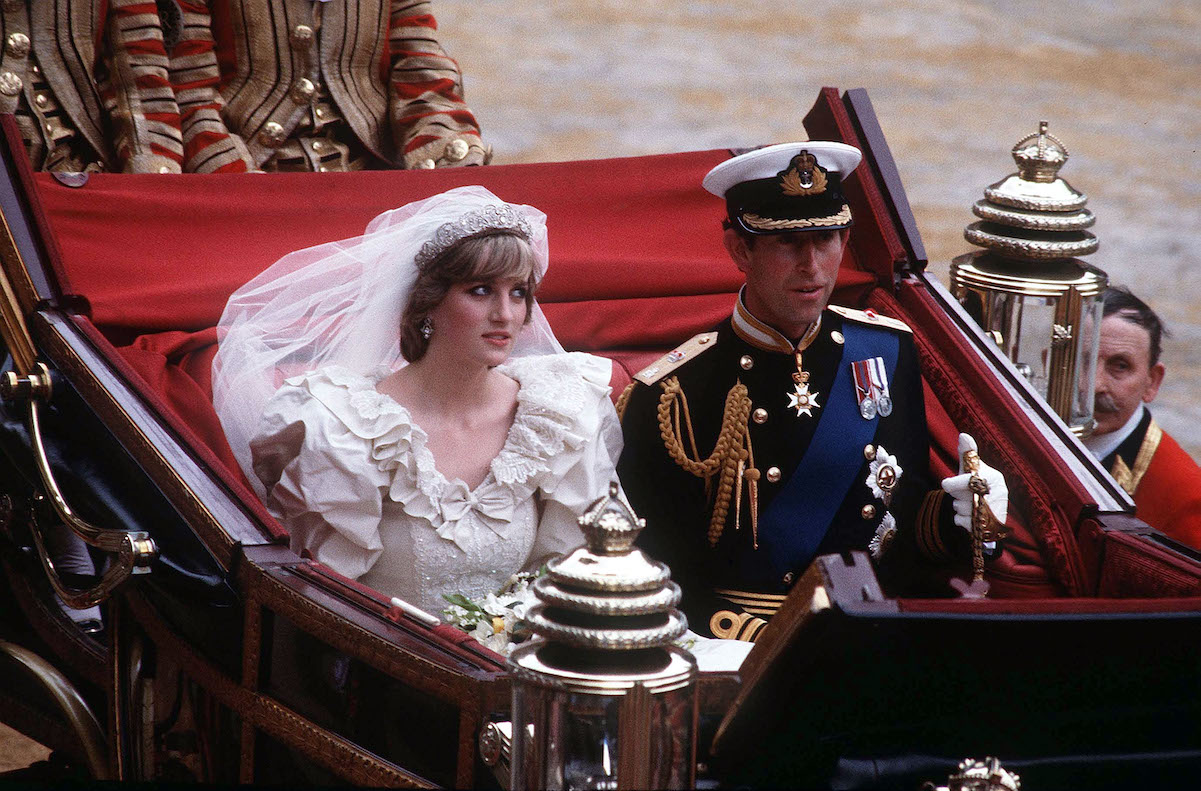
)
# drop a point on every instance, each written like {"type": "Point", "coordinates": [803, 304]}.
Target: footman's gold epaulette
{"type": "Point", "coordinates": [686, 351]}
{"type": "Point", "coordinates": [870, 317]}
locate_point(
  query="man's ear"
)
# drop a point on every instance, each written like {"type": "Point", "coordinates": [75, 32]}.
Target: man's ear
{"type": "Point", "coordinates": [737, 247]}
{"type": "Point", "coordinates": [1154, 380]}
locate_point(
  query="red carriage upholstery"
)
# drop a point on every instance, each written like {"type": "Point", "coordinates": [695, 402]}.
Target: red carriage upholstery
{"type": "Point", "coordinates": [637, 263]}
{"type": "Point", "coordinates": [637, 266]}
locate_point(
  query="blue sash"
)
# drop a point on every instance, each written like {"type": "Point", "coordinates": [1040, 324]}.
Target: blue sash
{"type": "Point", "coordinates": [792, 528]}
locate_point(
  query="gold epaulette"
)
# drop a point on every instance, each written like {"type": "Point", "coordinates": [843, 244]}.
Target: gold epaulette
{"type": "Point", "coordinates": [870, 317]}
{"type": "Point", "coordinates": [676, 357]}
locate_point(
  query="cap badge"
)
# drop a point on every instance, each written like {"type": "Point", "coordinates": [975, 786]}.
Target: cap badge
{"type": "Point", "coordinates": [803, 176]}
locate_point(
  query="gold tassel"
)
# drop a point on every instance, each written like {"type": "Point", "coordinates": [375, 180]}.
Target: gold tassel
{"type": "Point", "coordinates": [738, 494]}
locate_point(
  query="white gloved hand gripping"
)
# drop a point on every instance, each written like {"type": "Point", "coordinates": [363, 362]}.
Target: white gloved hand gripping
{"type": "Point", "coordinates": [982, 486]}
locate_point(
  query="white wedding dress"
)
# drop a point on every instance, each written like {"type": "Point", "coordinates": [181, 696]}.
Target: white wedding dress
{"type": "Point", "coordinates": [351, 477]}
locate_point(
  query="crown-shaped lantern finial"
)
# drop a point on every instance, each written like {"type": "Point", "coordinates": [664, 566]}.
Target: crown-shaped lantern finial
{"type": "Point", "coordinates": [609, 525]}
{"type": "Point", "coordinates": [608, 594]}
{"type": "Point", "coordinates": [986, 775]}
{"type": "Point", "coordinates": [1034, 214]}
{"type": "Point", "coordinates": [1040, 156]}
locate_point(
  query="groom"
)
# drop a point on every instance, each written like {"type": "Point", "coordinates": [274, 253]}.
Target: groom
{"type": "Point", "coordinates": [795, 428]}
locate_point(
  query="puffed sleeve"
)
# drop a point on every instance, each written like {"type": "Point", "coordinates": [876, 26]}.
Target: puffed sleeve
{"type": "Point", "coordinates": [581, 474]}
{"type": "Point", "coordinates": [320, 482]}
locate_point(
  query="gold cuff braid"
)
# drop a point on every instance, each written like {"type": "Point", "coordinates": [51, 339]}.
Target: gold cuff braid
{"type": "Point", "coordinates": [729, 625]}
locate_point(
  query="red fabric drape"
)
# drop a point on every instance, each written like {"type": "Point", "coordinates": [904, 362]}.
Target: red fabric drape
{"type": "Point", "coordinates": [637, 261]}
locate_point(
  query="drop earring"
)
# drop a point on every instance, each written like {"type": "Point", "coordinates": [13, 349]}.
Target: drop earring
{"type": "Point", "coordinates": [426, 328]}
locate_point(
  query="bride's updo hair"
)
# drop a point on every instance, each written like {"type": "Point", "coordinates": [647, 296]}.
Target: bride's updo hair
{"type": "Point", "coordinates": [494, 253]}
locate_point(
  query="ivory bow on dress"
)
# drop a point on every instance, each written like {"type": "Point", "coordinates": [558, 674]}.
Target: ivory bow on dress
{"type": "Point", "coordinates": [493, 506]}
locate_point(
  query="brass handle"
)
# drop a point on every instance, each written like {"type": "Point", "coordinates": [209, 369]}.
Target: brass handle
{"type": "Point", "coordinates": [72, 706]}
{"type": "Point", "coordinates": [134, 550]}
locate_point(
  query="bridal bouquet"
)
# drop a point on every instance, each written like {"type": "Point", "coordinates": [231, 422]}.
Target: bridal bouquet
{"type": "Point", "coordinates": [498, 620]}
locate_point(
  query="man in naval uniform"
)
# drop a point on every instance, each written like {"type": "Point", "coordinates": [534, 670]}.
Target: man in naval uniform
{"type": "Point", "coordinates": [304, 85]}
{"type": "Point", "coordinates": [87, 83]}
{"type": "Point", "coordinates": [794, 429]}
{"type": "Point", "coordinates": [1146, 461]}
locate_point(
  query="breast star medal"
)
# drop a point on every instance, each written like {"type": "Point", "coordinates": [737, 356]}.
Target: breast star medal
{"type": "Point", "coordinates": [883, 474]}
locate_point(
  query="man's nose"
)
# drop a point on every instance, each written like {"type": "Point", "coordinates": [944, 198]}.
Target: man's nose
{"type": "Point", "coordinates": [805, 256]}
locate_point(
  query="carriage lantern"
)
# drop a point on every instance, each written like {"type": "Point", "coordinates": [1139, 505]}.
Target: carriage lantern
{"type": "Point", "coordinates": [603, 699]}
{"type": "Point", "coordinates": [1027, 288]}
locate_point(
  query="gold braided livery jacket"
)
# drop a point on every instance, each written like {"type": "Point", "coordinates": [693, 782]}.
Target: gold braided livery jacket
{"type": "Point", "coordinates": [90, 75]}
{"type": "Point", "coordinates": [251, 73]}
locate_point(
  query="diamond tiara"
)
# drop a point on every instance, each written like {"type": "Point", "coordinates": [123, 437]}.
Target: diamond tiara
{"type": "Point", "coordinates": [489, 218]}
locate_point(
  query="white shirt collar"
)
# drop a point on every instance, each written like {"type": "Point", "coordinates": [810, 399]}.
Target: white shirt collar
{"type": "Point", "coordinates": [1104, 444]}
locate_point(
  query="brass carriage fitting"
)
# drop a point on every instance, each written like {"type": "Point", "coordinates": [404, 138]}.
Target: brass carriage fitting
{"type": "Point", "coordinates": [37, 384]}
{"type": "Point", "coordinates": [142, 550]}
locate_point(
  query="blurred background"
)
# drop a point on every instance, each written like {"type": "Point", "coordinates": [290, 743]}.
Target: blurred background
{"type": "Point", "coordinates": [955, 84]}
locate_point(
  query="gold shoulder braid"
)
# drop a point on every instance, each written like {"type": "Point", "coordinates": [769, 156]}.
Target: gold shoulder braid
{"type": "Point", "coordinates": [732, 459]}
{"type": "Point", "coordinates": [623, 401]}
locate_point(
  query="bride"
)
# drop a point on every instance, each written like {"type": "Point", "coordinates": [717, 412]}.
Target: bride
{"type": "Point", "coordinates": [402, 406]}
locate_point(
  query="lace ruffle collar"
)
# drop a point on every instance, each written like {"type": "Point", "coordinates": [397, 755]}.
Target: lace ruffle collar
{"type": "Point", "coordinates": [553, 405]}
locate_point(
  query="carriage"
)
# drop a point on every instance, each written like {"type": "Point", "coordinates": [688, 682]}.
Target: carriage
{"type": "Point", "coordinates": [226, 657]}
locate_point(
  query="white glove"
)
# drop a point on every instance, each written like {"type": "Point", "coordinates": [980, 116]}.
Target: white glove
{"type": "Point", "coordinates": [957, 486]}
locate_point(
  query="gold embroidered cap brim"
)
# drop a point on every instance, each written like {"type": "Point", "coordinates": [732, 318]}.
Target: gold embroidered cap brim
{"type": "Point", "coordinates": [839, 219]}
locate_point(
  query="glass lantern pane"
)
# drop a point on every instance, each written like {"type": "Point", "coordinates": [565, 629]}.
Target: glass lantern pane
{"type": "Point", "coordinates": [590, 739]}
{"type": "Point", "coordinates": [564, 740]}
{"type": "Point", "coordinates": [1088, 339]}
{"type": "Point", "coordinates": [1026, 325]}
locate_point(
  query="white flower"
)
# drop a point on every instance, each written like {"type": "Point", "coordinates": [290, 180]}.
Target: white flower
{"type": "Point", "coordinates": [884, 534]}
{"type": "Point", "coordinates": [495, 620]}
{"type": "Point", "coordinates": [499, 643]}
{"type": "Point", "coordinates": [511, 619]}
{"type": "Point", "coordinates": [494, 606]}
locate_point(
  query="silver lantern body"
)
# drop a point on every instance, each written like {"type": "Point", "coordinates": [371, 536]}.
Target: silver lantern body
{"type": "Point", "coordinates": [604, 699]}
{"type": "Point", "coordinates": [1027, 288]}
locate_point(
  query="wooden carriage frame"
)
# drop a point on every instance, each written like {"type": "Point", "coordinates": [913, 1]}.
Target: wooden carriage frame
{"type": "Point", "coordinates": [260, 586]}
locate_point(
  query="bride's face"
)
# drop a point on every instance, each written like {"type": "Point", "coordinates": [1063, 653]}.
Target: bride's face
{"type": "Point", "coordinates": [479, 320]}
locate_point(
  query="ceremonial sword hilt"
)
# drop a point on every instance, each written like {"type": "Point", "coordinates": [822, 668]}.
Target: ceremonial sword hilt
{"type": "Point", "coordinates": [981, 513]}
